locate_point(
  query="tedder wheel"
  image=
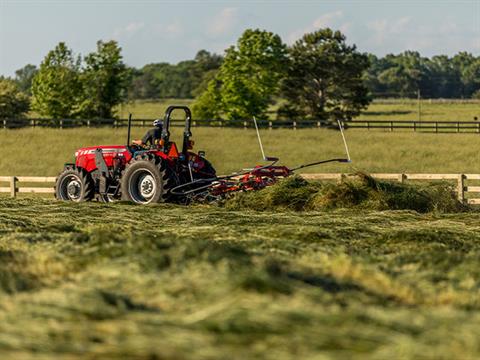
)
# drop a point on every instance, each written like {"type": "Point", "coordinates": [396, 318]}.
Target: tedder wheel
{"type": "Point", "coordinates": [145, 180]}
{"type": "Point", "coordinates": [74, 184]}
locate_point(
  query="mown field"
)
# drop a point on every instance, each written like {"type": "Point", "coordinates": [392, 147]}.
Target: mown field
{"type": "Point", "coordinates": [43, 152]}
{"type": "Point", "coordinates": [207, 282]}
{"type": "Point", "coordinates": [402, 109]}
{"type": "Point", "coordinates": [164, 281]}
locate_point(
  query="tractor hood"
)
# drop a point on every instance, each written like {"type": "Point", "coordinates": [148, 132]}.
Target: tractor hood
{"type": "Point", "coordinates": [106, 149]}
{"type": "Point", "coordinates": [85, 157]}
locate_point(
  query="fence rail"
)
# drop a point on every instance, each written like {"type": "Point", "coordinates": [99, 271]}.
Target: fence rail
{"type": "Point", "coordinates": [386, 125]}
{"type": "Point", "coordinates": [418, 126]}
{"type": "Point", "coordinates": [464, 186]}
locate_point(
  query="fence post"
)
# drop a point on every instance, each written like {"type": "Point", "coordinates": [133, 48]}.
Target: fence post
{"type": "Point", "coordinates": [391, 125]}
{"type": "Point", "coordinates": [478, 128]}
{"type": "Point", "coordinates": [414, 126]}
{"type": "Point", "coordinates": [245, 125]}
{"type": "Point", "coordinates": [269, 125]}
{"type": "Point", "coordinates": [13, 186]}
{"type": "Point", "coordinates": [61, 123]}
{"type": "Point", "coordinates": [461, 188]}
{"type": "Point", "coordinates": [436, 127]}
{"type": "Point", "coordinates": [368, 125]}
{"type": "Point", "coordinates": [4, 123]}
{"type": "Point", "coordinates": [294, 125]}
{"type": "Point", "coordinates": [402, 178]}
{"type": "Point", "coordinates": [318, 124]}
{"type": "Point", "coordinates": [458, 126]}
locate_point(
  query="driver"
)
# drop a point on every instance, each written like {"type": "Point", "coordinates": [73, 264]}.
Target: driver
{"type": "Point", "coordinates": [152, 136]}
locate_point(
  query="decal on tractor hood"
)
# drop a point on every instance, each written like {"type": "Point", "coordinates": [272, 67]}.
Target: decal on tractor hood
{"type": "Point", "coordinates": [104, 151]}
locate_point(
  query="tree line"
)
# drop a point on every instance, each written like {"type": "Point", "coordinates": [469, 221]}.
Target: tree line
{"type": "Point", "coordinates": [320, 76]}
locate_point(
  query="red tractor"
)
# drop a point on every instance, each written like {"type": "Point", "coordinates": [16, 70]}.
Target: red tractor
{"type": "Point", "coordinates": [134, 173]}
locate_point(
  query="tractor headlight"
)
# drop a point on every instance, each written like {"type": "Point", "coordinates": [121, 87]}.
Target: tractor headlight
{"type": "Point", "coordinates": [76, 153]}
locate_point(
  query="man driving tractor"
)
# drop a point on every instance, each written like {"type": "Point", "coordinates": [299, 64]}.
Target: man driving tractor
{"type": "Point", "coordinates": [152, 136]}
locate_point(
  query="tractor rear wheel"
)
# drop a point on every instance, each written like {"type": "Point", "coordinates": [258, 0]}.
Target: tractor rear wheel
{"type": "Point", "coordinates": [146, 180]}
{"type": "Point", "coordinates": [74, 184]}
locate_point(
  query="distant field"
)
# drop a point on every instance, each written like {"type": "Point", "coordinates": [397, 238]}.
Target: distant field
{"type": "Point", "coordinates": [430, 110]}
{"type": "Point", "coordinates": [149, 109]}
{"type": "Point", "coordinates": [44, 151]}
{"type": "Point", "coordinates": [156, 282]}
{"type": "Point", "coordinates": [378, 110]}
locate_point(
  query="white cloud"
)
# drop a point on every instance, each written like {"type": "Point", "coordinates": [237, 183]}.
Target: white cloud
{"type": "Point", "coordinates": [171, 30]}
{"type": "Point", "coordinates": [384, 29]}
{"type": "Point", "coordinates": [400, 25]}
{"type": "Point", "coordinates": [134, 27]}
{"type": "Point", "coordinates": [129, 30]}
{"type": "Point", "coordinates": [224, 22]}
{"type": "Point", "coordinates": [327, 20]}
{"type": "Point", "coordinates": [391, 35]}
{"type": "Point", "coordinates": [331, 20]}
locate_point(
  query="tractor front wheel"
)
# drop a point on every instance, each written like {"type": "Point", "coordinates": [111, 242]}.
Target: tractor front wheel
{"type": "Point", "coordinates": [74, 184]}
{"type": "Point", "coordinates": [144, 181]}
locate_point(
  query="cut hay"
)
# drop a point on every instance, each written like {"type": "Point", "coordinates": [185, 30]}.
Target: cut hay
{"type": "Point", "coordinates": [362, 191]}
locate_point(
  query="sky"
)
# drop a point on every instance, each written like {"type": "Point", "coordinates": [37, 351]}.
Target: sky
{"type": "Point", "coordinates": [170, 31]}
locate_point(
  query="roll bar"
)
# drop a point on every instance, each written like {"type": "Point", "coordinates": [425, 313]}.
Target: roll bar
{"type": "Point", "coordinates": [165, 136]}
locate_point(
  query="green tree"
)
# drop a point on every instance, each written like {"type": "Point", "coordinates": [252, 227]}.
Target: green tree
{"type": "Point", "coordinates": [24, 77]}
{"type": "Point", "coordinates": [462, 62]}
{"type": "Point", "coordinates": [56, 88]}
{"type": "Point", "coordinates": [471, 77]}
{"type": "Point", "coordinates": [247, 79]}
{"type": "Point", "coordinates": [185, 80]}
{"type": "Point", "coordinates": [325, 77]}
{"type": "Point", "coordinates": [13, 103]}
{"type": "Point", "coordinates": [105, 81]}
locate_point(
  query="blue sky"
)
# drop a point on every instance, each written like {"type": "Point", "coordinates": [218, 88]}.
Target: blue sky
{"type": "Point", "coordinates": [155, 31]}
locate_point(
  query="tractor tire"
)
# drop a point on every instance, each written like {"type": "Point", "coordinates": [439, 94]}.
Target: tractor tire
{"type": "Point", "coordinates": [146, 180]}
{"type": "Point", "coordinates": [74, 184]}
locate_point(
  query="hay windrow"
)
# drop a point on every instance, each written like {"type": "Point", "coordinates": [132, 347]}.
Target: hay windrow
{"type": "Point", "coordinates": [362, 191]}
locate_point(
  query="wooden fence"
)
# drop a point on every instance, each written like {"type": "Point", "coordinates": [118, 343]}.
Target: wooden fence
{"type": "Point", "coordinates": [417, 126]}
{"type": "Point", "coordinates": [14, 187]}
{"type": "Point", "coordinates": [386, 125]}
{"type": "Point", "coordinates": [468, 192]}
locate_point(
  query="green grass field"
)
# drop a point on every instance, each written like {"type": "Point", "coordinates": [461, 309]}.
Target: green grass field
{"type": "Point", "coordinates": [431, 110]}
{"type": "Point", "coordinates": [44, 151]}
{"type": "Point", "coordinates": [169, 282]}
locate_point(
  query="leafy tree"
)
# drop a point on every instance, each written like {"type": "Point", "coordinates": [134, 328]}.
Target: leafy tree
{"type": "Point", "coordinates": [325, 77]}
{"type": "Point", "coordinates": [462, 61]}
{"type": "Point", "coordinates": [56, 88]}
{"type": "Point", "coordinates": [104, 80]}
{"type": "Point", "coordinates": [13, 103]}
{"type": "Point", "coordinates": [208, 104]}
{"type": "Point", "coordinates": [408, 73]}
{"type": "Point", "coordinates": [444, 78]}
{"type": "Point", "coordinates": [205, 68]}
{"type": "Point", "coordinates": [142, 85]}
{"type": "Point", "coordinates": [248, 78]}
{"type": "Point", "coordinates": [186, 79]}
{"type": "Point", "coordinates": [24, 77]}
{"type": "Point", "coordinates": [471, 77]}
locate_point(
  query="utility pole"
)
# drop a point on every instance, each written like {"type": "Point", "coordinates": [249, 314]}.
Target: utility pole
{"type": "Point", "coordinates": [419, 105]}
